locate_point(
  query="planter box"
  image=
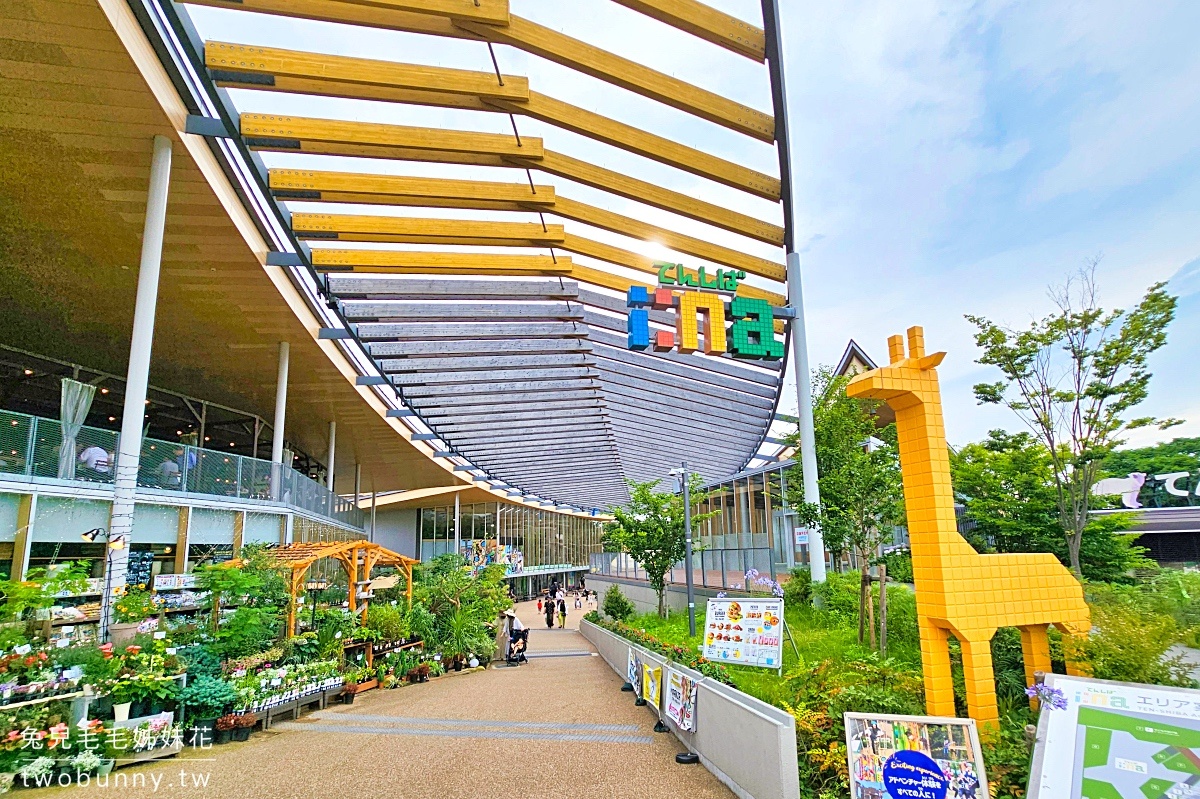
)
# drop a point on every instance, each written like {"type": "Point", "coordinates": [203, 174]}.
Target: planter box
{"type": "Point", "coordinates": [153, 754]}
{"type": "Point", "coordinates": [367, 686]}
{"type": "Point", "coordinates": [746, 743]}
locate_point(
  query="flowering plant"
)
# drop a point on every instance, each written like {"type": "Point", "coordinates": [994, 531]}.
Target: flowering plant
{"type": "Point", "coordinates": [1052, 698]}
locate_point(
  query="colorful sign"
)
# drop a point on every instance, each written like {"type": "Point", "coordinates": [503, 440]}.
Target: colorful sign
{"type": "Point", "coordinates": [1116, 740]}
{"type": "Point", "coordinates": [914, 757]}
{"type": "Point", "coordinates": [489, 552]}
{"type": "Point", "coordinates": [681, 700]}
{"type": "Point", "coordinates": [170, 582]}
{"type": "Point", "coordinates": [633, 673]}
{"type": "Point", "coordinates": [701, 312]}
{"type": "Point", "coordinates": [745, 631]}
{"type": "Point", "coordinates": [652, 684]}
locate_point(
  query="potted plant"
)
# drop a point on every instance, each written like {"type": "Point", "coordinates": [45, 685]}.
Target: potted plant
{"type": "Point", "coordinates": [13, 756]}
{"type": "Point", "coordinates": [225, 726]}
{"type": "Point", "coordinates": [86, 762]}
{"type": "Point", "coordinates": [36, 771]}
{"type": "Point", "coordinates": [206, 698]}
{"type": "Point", "coordinates": [243, 726]}
{"type": "Point", "coordinates": [348, 692]}
{"type": "Point", "coordinates": [133, 608]}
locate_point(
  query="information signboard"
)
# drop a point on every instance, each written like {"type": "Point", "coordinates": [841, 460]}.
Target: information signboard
{"type": "Point", "coordinates": [914, 757]}
{"type": "Point", "coordinates": [633, 673]}
{"type": "Point", "coordinates": [681, 700]}
{"type": "Point", "coordinates": [746, 631]}
{"type": "Point", "coordinates": [1116, 740]}
{"type": "Point", "coordinates": [652, 685]}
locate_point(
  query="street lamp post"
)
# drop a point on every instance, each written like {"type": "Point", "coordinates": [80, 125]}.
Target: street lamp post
{"type": "Point", "coordinates": [112, 543]}
{"type": "Point", "coordinates": [314, 587]}
{"type": "Point", "coordinates": [684, 474]}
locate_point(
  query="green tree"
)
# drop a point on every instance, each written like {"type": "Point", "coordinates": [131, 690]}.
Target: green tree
{"type": "Point", "coordinates": [1178, 455]}
{"type": "Point", "coordinates": [862, 497]}
{"type": "Point", "coordinates": [1006, 485]}
{"type": "Point", "coordinates": [651, 531]}
{"type": "Point", "coordinates": [1073, 378]}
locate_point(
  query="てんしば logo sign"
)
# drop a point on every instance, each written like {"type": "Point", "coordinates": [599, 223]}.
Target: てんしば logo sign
{"type": "Point", "coordinates": [702, 314]}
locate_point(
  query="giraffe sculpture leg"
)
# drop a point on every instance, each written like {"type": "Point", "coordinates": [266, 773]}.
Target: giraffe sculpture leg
{"type": "Point", "coordinates": [935, 662]}
{"type": "Point", "coordinates": [1035, 651]}
{"type": "Point", "coordinates": [980, 680]}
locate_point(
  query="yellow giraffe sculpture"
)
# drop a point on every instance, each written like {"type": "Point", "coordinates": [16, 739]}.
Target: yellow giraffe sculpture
{"type": "Point", "coordinates": [961, 593]}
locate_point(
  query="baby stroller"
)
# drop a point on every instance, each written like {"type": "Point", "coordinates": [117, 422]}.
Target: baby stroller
{"type": "Point", "coordinates": [518, 642]}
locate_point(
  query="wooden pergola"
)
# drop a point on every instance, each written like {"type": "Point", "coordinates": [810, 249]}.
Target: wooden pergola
{"type": "Point", "coordinates": [358, 558]}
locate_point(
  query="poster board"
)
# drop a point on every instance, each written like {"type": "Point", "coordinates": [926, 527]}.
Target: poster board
{"type": "Point", "coordinates": [746, 631]}
{"type": "Point", "coordinates": [681, 700]}
{"type": "Point", "coordinates": [633, 673]}
{"type": "Point", "coordinates": [906, 757]}
{"type": "Point", "coordinates": [652, 685]}
{"type": "Point", "coordinates": [1118, 739]}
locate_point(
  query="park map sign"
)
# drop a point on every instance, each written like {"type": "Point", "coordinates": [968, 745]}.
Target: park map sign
{"type": "Point", "coordinates": [1117, 741]}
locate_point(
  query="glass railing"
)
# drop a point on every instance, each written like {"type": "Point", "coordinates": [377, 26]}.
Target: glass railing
{"type": "Point", "coordinates": [711, 568]}
{"type": "Point", "coordinates": [32, 446]}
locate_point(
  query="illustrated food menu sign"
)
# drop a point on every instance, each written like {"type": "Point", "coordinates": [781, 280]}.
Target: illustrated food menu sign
{"type": "Point", "coordinates": [1117, 741]}
{"type": "Point", "coordinates": [745, 631]}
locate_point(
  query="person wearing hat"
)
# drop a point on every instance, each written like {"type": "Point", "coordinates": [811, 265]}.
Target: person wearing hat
{"type": "Point", "coordinates": [514, 632]}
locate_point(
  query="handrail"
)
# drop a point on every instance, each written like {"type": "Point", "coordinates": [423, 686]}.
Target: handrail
{"type": "Point", "coordinates": [29, 445]}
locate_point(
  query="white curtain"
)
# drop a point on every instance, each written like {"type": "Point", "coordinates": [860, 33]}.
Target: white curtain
{"type": "Point", "coordinates": [76, 401]}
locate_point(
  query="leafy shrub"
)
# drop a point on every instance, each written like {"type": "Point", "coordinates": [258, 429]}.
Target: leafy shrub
{"type": "Point", "coordinates": [200, 662]}
{"type": "Point", "coordinates": [616, 606]}
{"type": "Point", "coordinates": [1128, 644]}
{"type": "Point", "coordinates": [389, 621]}
{"type": "Point", "coordinates": [679, 654]}
{"type": "Point", "coordinates": [208, 697]}
{"type": "Point", "coordinates": [248, 631]}
{"type": "Point", "coordinates": [899, 565]}
{"type": "Point", "coordinates": [798, 588]}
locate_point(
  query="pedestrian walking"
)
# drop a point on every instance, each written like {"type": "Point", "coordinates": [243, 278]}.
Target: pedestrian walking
{"type": "Point", "coordinates": [549, 614]}
{"type": "Point", "coordinates": [562, 612]}
{"type": "Point", "coordinates": [539, 604]}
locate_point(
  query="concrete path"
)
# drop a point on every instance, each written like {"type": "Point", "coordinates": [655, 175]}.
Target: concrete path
{"type": "Point", "coordinates": [558, 726]}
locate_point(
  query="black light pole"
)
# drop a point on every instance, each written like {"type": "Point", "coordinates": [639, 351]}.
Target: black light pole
{"type": "Point", "coordinates": [684, 478]}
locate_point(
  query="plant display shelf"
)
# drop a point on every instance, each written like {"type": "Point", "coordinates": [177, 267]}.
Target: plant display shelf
{"type": "Point", "coordinates": [390, 647]}
{"type": "Point", "coordinates": [150, 754]}
{"type": "Point", "coordinates": [41, 701]}
{"type": "Point", "coordinates": [293, 707]}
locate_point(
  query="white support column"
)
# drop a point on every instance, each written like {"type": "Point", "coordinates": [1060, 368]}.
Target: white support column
{"type": "Point", "coordinates": [804, 410]}
{"type": "Point", "coordinates": [281, 381]}
{"type": "Point", "coordinates": [332, 454]}
{"type": "Point", "coordinates": [134, 412]}
{"type": "Point", "coordinates": [357, 483]}
{"type": "Point", "coordinates": [457, 528]}
{"type": "Point", "coordinates": [374, 495]}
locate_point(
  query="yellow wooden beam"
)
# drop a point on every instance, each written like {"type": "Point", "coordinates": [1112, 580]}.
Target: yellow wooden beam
{"type": "Point", "coordinates": [377, 151]}
{"type": "Point", "coordinates": [707, 23]}
{"type": "Point", "coordinates": [641, 191]}
{"type": "Point", "coordinates": [590, 60]}
{"type": "Point", "coordinates": [351, 227]}
{"type": "Point", "coordinates": [632, 260]}
{"type": "Point", "coordinates": [322, 182]}
{"type": "Point", "coordinates": [617, 223]}
{"type": "Point", "coordinates": [494, 12]}
{"type": "Point", "coordinates": [350, 187]}
{"type": "Point", "coordinates": [634, 140]}
{"type": "Point", "coordinates": [346, 12]}
{"type": "Point", "coordinates": [536, 39]}
{"type": "Point", "coordinates": [339, 76]}
{"type": "Point", "coordinates": [272, 61]}
{"type": "Point", "coordinates": [325, 258]}
{"type": "Point", "coordinates": [288, 129]}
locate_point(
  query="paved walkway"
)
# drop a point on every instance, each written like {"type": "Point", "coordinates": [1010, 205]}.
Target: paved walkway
{"type": "Point", "coordinates": [558, 726]}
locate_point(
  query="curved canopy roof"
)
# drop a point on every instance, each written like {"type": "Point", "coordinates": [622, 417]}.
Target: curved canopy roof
{"type": "Point", "coordinates": [474, 237]}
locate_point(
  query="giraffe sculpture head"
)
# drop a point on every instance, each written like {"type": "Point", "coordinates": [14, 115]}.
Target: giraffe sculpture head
{"type": "Point", "coordinates": [906, 381]}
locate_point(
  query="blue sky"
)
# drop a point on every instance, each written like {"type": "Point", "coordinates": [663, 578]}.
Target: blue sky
{"type": "Point", "coordinates": [952, 158]}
